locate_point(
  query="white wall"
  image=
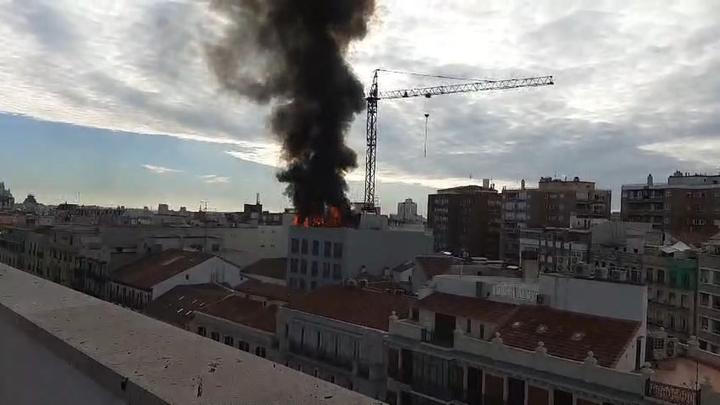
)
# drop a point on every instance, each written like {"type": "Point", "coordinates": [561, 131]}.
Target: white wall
{"type": "Point", "coordinates": [212, 270]}
{"type": "Point", "coordinates": [600, 298]}
{"type": "Point", "coordinates": [30, 374]}
{"type": "Point", "coordinates": [263, 241]}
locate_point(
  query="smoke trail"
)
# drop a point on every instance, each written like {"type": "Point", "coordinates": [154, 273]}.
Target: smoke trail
{"type": "Point", "coordinates": [291, 53]}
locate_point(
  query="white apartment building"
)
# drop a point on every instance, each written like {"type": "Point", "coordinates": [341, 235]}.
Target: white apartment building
{"type": "Point", "coordinates": [407, 210]}
{"type": "Point", "coordinates": [320, 256]}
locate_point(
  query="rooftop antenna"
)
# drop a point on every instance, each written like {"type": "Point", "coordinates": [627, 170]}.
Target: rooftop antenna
{"type": "Point", "coordinates": [257, 199]}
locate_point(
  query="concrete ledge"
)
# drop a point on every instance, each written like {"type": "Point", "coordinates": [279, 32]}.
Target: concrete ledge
{"type": "Point", "coordinates": [144, 361]}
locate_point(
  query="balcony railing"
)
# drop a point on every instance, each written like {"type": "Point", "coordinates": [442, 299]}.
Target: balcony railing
{"type": "Point", "coordinates": [671, 393]}
{"type": "Point", "coordinates": [339, 362]}
{"type": "Point", "coordinates": [437, 339]}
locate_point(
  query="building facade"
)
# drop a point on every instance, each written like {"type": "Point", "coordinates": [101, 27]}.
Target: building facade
{"type": "Point", "coordinates": [319, 256]}
{"type": "Point", "coordinates": [686, 203]}
{"type": "Point", "coordinates": [466, 221]}
{"type": "Point", "coordinates": [709, 300]}
{"type": "Point", "coordinates": [553, 203]}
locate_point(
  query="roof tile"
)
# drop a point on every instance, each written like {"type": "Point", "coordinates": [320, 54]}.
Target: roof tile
{"type": "Point", "coordinates": [360, 306]}
{"type": "Point", "coordinates": [176, 306]}
{"type": "Point", "coordinates": [468, 307]}
{"type": "Point", "coordinates": [270, 291]}
{"type": "Point", "coordinates": [244, 311]}
{"type": "Point", "coordinates": [569, 335]}
{"type": "Point", "coordinates": [272, 268]}
{"type": "Point", "coordinates": [145, 273]}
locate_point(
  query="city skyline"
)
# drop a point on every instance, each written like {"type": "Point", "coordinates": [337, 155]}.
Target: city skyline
{"type": "Point", "coordinates": [137, 120]}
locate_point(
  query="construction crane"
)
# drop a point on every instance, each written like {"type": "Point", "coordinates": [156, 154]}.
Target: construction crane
{"type": "Point", "coordinates": [375, 95]}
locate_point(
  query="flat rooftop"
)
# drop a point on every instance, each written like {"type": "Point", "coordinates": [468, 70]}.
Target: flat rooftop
{"type": "Point", "coordinates": [162, 364]}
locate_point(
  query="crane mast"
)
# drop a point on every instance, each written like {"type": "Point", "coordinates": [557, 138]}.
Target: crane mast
{"type": "Point", "coordinates": [374, 95]}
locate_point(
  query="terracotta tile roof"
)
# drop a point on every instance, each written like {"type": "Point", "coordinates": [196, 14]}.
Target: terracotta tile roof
{"type": "Point", "coordinates": [177, 305]}
{"type": "Point", "coordinates": [145, 273]}
{"type": "Point", "coordinates": [276, 292]}
{"type": "Point", "coordinates": [272, 268]}
{"type": "Point", "coordinates": [569, 335]}
{"type": "Point", "coordinates": [384, 285]}
{"type": "Point", "coordinates": [244, 311]}
{"type": "Point", "coordinates": [468, 307]}
{"type": "Point", "coordinates": [360, 306]}
{"type": "Point", "coordinates": [435, 265]}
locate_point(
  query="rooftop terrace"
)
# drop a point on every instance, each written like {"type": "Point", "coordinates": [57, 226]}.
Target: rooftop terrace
{"type": "Point", "coordinates": [84, 350]}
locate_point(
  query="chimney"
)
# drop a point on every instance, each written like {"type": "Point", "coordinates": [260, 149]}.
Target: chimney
{"type": "Point", "coordinates": [650, 180]}
{"type": "Point", "coordinates": [522, 184]}
{"type": "Point", "coordinates": [486, 183]}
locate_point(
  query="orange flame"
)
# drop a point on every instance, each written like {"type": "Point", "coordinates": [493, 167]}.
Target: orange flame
{"type": "Point", "coordinates": [332, 218]}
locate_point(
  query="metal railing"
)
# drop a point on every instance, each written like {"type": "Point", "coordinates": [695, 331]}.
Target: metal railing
{"type": "Point", "coordinates": [437, 339]}
{"type": "Point", "coordinates": [672, 393]}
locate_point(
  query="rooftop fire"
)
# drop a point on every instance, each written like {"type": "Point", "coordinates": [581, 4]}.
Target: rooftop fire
{"type": "Point", "coordinates": [334, 218]}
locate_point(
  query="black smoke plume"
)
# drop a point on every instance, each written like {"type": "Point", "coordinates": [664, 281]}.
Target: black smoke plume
{"type": "Point", "coordinates": [291, 53]}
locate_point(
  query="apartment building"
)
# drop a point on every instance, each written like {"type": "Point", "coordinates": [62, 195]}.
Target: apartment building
{"type": "Point", "coordinates": [708, 308]}
{"type": "Point", "coordinates": [559, 250]}
{"type": "Point", "coordinates": [554, 203]}
{"type": "Point", "coordinates": [466, 220]}
{"type": "Point", "coordinates": [686, 204]}
{"type": "Point", "coordinates": [142, 281]}
{"type": "Point", "coordinates": [319, 256]}
{"type": "Point", "coordinates": [336, 333]}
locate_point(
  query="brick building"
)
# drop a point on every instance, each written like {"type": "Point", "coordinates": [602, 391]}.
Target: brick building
{"type": "Point", "coordinates": [686, 204]}
{"type": "Point", "coordinates": [466, 220]}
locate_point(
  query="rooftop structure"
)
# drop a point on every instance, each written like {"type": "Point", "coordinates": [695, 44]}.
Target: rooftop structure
{"type": "Point", "coordinates": [152, 270]}
{"type": "Point", "coordinates": [84, 350]}
{"type": "Point", "coordinates": [267, 269]}
{"type": "Point", "coordinates": [178, 305]}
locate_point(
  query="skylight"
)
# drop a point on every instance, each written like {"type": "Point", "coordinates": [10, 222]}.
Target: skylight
{"type": "Point", "coordinates": [541, 329]}
{"type": "Point", "coordinates": [577, 335]}
{"type": "Point", "coordinates": [516, 324]}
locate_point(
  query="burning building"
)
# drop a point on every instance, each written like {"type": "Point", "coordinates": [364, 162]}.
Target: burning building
{"type": "Point", "coordinates": [326, 251]}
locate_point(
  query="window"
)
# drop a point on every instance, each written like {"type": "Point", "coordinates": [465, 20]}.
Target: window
{"type": "Point", "coordinates": [327, 249]}
{"type": "Point", "coordinates": [326, 270]}
{"type": "Point", "coordinates": [201, 331]}
{"type": "Point", "coordinates": [468, 326]}
{"type": "Point", "coordinates": [228, 340]}
{"type": "Point", "coordinates": [704, 299]}
{"type": "Point", "coordinates": [337, 272]}
{"type": "Point", "coordinates": [293, 265]}
{"type": "Point", "coordinates": [303, 266]}
{"type": "Point", "coordinates": [302, 284]}
{"type": "Point", "coordinates": [337, 250]}
{"type": "Point", "coordinates": [482, 331]}
{"type": "Point", "coordinates": [215, 336]}
{"type": "Point", "coordinates": [316, 248]}
{"type": "Point", "coordinates": [704, 323]}
{"type": "Point", "coordinates": [295, 245]}
{"type": "Point", "coordinates": [260, 351]}
{"type": "Point", "coordinates": [244, 346]}
{"type": "Point", "coordinates": [314, 269]}
{"type": "Point", "coordinates": [304, 248]}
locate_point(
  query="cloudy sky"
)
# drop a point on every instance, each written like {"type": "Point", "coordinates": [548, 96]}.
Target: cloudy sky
{"type": "Point", "coordinates": [112, 101]}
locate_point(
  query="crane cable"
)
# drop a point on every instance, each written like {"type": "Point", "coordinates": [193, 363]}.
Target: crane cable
{"type": "Point", "coordinates": [427, 118]}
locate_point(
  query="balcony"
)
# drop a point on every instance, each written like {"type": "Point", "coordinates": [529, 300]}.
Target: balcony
{"type": "Point", "coordinates": [437, 338]}
{"type": "Point", "coordinates": [321, 356]}
{"type": "Point", "coordinates": [82, 350]}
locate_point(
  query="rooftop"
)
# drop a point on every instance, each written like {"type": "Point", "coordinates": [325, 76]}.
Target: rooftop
{"type": "Point", "coordinates": [270, 291]}
{"type": "Point", "coordinates": [569, 335]}
{"type": "Point", "coordinates": [435, 265]}
{"type": "Point", "coordinates": [272, 268]}
{"type": "Point", "coordinates": [141, 360]}
{"type": "Point", "coordinates": [468, 307]}
{"type": "Point", "coordinates": [365, 307]}
{"type": "Point", "coordinates": [145, 273]}
{"type": "Point", "coordinates": [245, 312]}
{"type": "Point", "coordinates": [177, 305]}
{"type": "Point", "coordinates": [686, 372]}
